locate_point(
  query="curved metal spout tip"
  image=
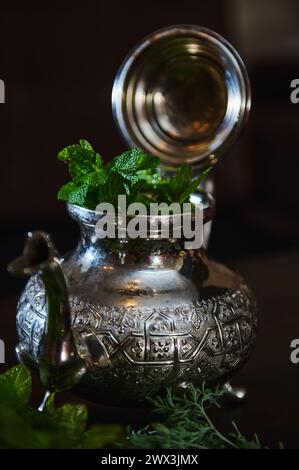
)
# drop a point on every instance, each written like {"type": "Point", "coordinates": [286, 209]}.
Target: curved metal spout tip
{"type": "Point", "coordinates": [38, 251]}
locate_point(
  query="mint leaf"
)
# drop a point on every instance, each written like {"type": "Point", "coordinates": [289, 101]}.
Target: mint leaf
{"type": "Point", "coordinates": [114, 186]}
{"type": "Point", "coordinates": [79, 170]}
{"type": "Point", "coordinates": [79, 195]}
{"type": "Point", "coordinates": [99, 437]}
{"type": "Point", "coordinates": [134, 160]}
{"type": "Point", "coordinates": [182, 179]}
{"type": "Point", "coordinates": [19, 380]}
{"type": "Point", "coordinates": [193, 186]}
{"type": "Point", "coordinates": [82, 160]}
{"type": "Point", "coordinates": [83, 196]}
{"type": "Point", "coordinates": [23, 427]}
{"type": "Point", "coordinates": [66, 190]}
{"type": "Point", "coordinates": [85, 144]}
{"type": "Point", "coordinates": [96, 178]}
{"type": "Point", "coordinates": [72, 417]}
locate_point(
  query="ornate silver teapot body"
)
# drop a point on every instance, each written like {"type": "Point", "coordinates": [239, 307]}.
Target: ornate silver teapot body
{"type": "Point", "coordinates": [145, 315]}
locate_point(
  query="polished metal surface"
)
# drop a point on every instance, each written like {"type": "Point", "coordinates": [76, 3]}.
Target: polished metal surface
{"type": "Point", "coordinates": [145, 314]}
{"type": "Point", "coordinates": [238, 394]}
{"type": "Point", "coordinates": [182, 94]}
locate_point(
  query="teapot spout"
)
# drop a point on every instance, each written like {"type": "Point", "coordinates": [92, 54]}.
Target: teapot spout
{"type": "Point", "coordinates": [60, 365]}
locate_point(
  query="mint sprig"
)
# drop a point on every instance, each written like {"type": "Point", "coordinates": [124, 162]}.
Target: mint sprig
{"type": "Point", "coordinates": [134, 173]}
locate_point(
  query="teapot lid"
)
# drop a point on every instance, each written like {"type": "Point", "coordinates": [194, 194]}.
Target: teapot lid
{"type": "Point", "coordinates": [182, 94]}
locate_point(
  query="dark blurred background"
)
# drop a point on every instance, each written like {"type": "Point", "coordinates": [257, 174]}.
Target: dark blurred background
{"type": "Point", "coordinates": [58, 61]}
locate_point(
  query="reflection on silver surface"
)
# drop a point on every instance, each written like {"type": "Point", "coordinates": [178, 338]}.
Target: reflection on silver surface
{"type": "Point", "coordinates": [182, 94]}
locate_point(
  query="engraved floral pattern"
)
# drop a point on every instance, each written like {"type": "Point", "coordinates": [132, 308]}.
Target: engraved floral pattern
{"type": "Point", "coordinates": [204, 339]}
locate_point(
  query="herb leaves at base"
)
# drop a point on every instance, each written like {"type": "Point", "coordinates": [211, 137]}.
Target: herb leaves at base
{"type": "Point", "coordinates": [185, 423]}
{"type": "Point", "coordinates": [24, 427]}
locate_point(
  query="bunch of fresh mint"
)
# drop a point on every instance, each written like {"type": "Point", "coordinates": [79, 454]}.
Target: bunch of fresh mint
{"type": "Point", "coordinates": [134, 174]}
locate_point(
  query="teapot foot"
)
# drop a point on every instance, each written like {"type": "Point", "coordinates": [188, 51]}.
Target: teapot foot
{"type": "Point", "coordinates": [238, 394]}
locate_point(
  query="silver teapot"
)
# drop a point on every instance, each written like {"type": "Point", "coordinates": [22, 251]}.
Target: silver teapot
{"type": "Point", "coordinates": [120, 320]}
